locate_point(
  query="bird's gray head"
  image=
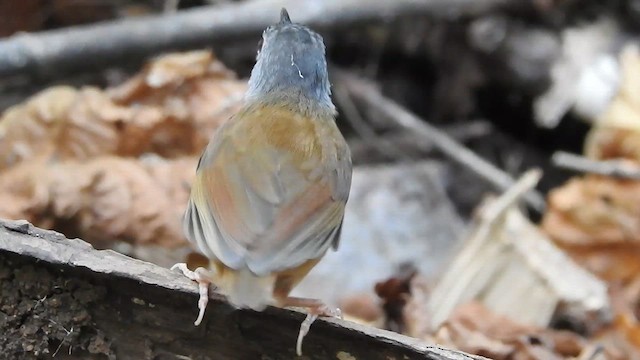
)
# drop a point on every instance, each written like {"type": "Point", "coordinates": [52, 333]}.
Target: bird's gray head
{"type": "Point", "coordinates": [290, 62]}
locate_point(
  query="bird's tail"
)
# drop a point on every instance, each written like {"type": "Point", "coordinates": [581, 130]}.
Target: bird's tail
{"type": "Point", "coordinates": [244, 289]}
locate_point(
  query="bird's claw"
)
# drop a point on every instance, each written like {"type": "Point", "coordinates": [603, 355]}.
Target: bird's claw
{"type": "Point", "coordinates": [203, 278]}
{"type": "Point", "coordinates": [313, 314]}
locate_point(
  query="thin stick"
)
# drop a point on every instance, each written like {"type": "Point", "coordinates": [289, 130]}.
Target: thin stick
{"type": "Point", "coordinates": [614, 168]}
{"type": "Point", "coordinates": [365, 92]}
{"type": "Point", "coordinates": [525, 183]}
{"type": "Point", "coordinates": [364, 130]}
{"type": "Point", "coordinates": [121, 41]}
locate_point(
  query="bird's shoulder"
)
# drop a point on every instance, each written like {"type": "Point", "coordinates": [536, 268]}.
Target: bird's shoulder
{"type": "Point", "coordinates": [284, 129]}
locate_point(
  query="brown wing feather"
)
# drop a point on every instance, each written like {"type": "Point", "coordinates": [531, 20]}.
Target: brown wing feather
{"type": "Point", "coordinates": [274, 187]}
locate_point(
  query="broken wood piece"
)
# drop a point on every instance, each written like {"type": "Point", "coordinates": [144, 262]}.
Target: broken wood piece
{"type": "Point", "coordinates": [625, 169]}
{"type": "Point", "coordinates": [367, 93]}
{"type": "Point", "coordinates": [61, 295]}
{"type": "Point", "coordinates": [510, 266]}
{"type": "Point", "coordinates": [121, 41]}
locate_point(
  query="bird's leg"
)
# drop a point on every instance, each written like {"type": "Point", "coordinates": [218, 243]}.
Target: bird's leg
{"type": "Point", "coordinates": [315, 308]}
{"type": "Point", "coordinates": [204, 278]}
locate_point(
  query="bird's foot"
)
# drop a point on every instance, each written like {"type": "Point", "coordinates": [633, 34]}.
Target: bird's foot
{"type": "Point", "coordinates": [316, 308]}
{"type": "Point", "coordinates": [312, 315]}
{"type": "Point", "coordinates": [204, 278]}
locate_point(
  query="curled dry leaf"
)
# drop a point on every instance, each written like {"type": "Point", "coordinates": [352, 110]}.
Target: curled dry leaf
{"type": "Point", "coordinates": [104, 199]}
{"type": "Point", "coordinates": [623, 334]}
{"type": "Point", "coordinates": [607, 142]}
{"type": "Point", "coordinates": [171, 109]}
{"type": "Point", "coordinates": [77, 160]}
{"type": "Point", "coordinates": [475, 329]}
{"type": "Point", "coordinates": [30, 130]}
{"type": "Point", "coordinates": [597, 220]}
{"type": "Point", "coordinates": [594, 210]}
{"type": "Point", "coordinates": [193, 91]}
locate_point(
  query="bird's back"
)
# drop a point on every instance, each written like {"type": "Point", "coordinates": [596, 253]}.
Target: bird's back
{"type": "Point", "coordinates": [270, 190]}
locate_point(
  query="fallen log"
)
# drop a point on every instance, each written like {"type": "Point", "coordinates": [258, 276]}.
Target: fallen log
{"type": "Point", "coordinates": [61, 297]}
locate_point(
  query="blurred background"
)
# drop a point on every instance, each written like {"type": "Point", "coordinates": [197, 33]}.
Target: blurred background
{"type": "Point", "coordinates": [495, 205]}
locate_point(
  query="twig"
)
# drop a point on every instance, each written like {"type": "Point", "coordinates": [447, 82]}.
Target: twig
{"type": "Point", "coordinates": [367, 93]}
{"type": "Point", "coordinates": [409, 144]}
{"type": "Point", "coordinates": [469, 130]}
{"type": "Point", "coordinates": [494, 210]}
{"type": "Point", "coordinates": [69, 332]}
{"type": "Point", "coordinates": [120, 41]}
{"type": "Point", "coordinates": [614, 168]}
{"type": "Point", "coordinates": [364, 130]}
{"type": "Point", "coordinates": [592, 352]}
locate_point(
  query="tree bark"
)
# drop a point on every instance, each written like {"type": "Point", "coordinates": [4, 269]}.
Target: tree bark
{"type": "Point", "coordinates": [62, 297]}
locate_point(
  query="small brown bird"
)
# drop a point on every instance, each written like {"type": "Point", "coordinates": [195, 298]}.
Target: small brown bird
{"type": "Point", "coordinates": [271, 187]}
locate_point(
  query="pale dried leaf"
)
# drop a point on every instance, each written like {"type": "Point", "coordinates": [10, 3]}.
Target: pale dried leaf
{"type": "Point", "coordinates": [596, 220]}
{"type": "Point", "coordinates": [58, 151]}
{"type": "Point", "coordinates": [192, 88]}
{"type": "Point", "coordinates": [616, 133]}
{"type": "Point", "coordinates": [104, 199]}
{"type": "Point", "coordinates": [171, 109]}
{"type": "Point", "coordinates": [27, 130]}
{"type": "Point", "coordinates": [475, 329]}
{"type": "Point", "coordinates": [594, 210]}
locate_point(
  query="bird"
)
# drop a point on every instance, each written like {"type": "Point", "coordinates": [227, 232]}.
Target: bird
{"type": "Point", "coordinates": [268, 200]}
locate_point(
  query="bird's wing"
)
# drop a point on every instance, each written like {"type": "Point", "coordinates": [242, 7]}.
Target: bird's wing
{"type": "Point", "coordinates": [270, 194]}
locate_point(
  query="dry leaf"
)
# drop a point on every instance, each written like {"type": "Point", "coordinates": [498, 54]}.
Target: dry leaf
{"type": "Point", "coordinates": [193, 89]}
{"type": "Point", "coordinates": [606, 142]}
{"type": "Point", "coordinates": [58, 151]}
{"type": "Point", "coordinates": [624, 333]}
{"type": "Point", "coordinates": [597, 221]}
{"type": "Point", "coordinates": [171, 109]}
{"type": "Point", "coordinates": [103, 200]}
{"type": "Point", "coordinates": [594, 210]}
{"type": "Point", "coordinates": [475, 329]}
{"type": "Point", "coordinates": [29, 130]}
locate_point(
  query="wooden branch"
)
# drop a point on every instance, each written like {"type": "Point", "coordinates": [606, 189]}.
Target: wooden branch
{"type": "Point", "coordinates": [624, 169]}
{"type": "Point", "coordinates": [411, 145]}
{"type": "Point", "coordinates": [98, 45]}
{"type": "Point", "coordinates": [367, 93]}
{"type": "Point", "coordinates": [82, 303]}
